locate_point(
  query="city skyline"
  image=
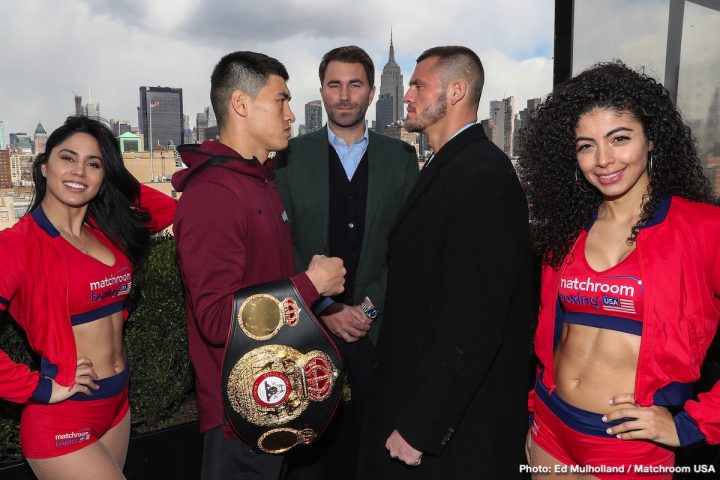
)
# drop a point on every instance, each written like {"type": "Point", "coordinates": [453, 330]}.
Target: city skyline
{"type": "Point", "coordinates": [114, 48]}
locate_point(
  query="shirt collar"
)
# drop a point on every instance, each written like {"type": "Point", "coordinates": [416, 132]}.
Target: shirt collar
{"type": "Point", "coordinates": [336, 141]}
{"type": "Point", "coordinates": [462, 129]}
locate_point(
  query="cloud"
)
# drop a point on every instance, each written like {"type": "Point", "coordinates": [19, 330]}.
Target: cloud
{"type": "Point", "coordinates": [112, 48]}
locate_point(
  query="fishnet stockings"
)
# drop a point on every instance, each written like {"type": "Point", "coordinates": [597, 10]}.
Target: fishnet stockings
{"type": "Point", "coordinates": [539, 457]}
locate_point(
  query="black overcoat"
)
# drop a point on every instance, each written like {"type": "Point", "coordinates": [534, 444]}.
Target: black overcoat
{"type": "Point", "coordinates": [451, 373]}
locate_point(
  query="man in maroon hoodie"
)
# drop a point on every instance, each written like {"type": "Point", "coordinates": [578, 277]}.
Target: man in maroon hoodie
{"type": "Point", "coordinates": [232, 233]}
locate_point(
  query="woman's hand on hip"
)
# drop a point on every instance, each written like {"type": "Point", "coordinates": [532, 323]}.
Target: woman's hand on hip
{"type": "Point", "coordinates": [646, 423]}
{"type": "Point", "coordinates": [85, 378]}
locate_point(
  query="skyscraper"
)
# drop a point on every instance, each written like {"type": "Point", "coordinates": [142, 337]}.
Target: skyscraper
{"type": "Point", "coordinates": [78, 105]}
{"type": "Point", "coordinates": [5, 170]}
{"type": "Point", "coordinates": [502, 114]}
{"type": "Point", "coordinates": [21, 142]}
{"type": "Point", "coordinates": [92, 110]}
{"type": "Point", "coordinates": [165, 106]}
{"type": "Point", "coordinates": [201, 124]}
{"type": "Point", "coordinates": [187, 132]}
{"type": "Point", "coordinates": [313, 116]}
{"type": "Point", "coordinates": [391, 83]}
{"type": "Point", "coordinates": [521, 120]}
{"type": "Point", "coordinates": [120, 126]}
{"type": "Point", "coordinates": [210, 113]}
{"type": "Point", "coordinates": [40, 138]}
{"type": "Point", "coordinates": [2, 135]}
{"type": "Point", "coordinates": [383, 112]}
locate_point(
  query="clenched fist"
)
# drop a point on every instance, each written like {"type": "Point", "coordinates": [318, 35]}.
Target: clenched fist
{"type": "Point", "coordinates": [327, 275]}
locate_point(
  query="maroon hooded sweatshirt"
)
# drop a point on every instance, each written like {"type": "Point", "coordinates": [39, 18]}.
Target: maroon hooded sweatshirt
{"type": "Point", "coordinates": [231, 232]}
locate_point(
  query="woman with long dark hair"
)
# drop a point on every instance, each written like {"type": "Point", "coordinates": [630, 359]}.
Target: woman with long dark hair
{"type": "Point", "coordinates": [67, 272]}
{"type": "Point", "coordinates": [630, 248]}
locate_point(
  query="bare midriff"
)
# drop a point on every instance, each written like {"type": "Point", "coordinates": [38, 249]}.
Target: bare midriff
{"type": "Point", "coordinates": [102, 342]}
{"type": "Point", "coordinates": [592, 365]}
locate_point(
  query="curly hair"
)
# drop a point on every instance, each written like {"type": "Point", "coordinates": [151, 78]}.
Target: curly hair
{"type": "Point", "coordinates": [560, 198]}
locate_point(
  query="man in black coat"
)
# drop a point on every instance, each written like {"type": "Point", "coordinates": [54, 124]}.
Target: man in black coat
{"type": "Point", "coordinates": [448, 389]}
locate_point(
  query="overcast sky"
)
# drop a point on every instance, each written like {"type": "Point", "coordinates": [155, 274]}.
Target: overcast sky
{"type": "Point", "coordinates": [105, 50]}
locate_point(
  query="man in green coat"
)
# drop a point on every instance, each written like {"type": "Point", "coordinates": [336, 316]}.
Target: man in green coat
{"type": "Point", "coordinates": [342, 187]}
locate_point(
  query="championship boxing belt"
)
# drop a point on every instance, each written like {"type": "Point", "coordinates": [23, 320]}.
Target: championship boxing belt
{"type": "Point", "coordinates": [282, 374]}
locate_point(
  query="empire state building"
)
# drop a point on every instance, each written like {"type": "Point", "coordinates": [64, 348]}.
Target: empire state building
{"type": "Point", "coordinates": [390, 102]}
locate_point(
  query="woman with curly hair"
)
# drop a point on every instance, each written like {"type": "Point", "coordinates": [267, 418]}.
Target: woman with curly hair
{"type": "Point", "coordinates": [630, 249]}
{"type": "Point", "coordinates": [67, 270]}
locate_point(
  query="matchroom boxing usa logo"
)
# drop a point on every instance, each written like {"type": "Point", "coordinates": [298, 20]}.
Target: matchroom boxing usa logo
{"type": "Point", "coordinates": [71, 438]}
{"type": "Point", "coordinates": [611, 294]}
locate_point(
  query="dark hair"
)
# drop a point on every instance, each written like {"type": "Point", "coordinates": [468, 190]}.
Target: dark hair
{"type": "Point", "coordinates": [349, 54]}
{"type": "Point", "coordinates": [560, 198]}
{"type": "Point", "coordinates": [458, 62]}
{"type": "Point", "coordinates": [113, 209]}
{"type": "Point", "coordinates": [246, 71]}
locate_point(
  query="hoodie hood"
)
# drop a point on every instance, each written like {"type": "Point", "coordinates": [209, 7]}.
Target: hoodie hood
{"type": "Point", "coordinates": [196, 157]}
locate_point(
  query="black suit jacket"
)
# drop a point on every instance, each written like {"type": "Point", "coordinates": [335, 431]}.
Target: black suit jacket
{"type": "Point", "coordinates": [451, 371]}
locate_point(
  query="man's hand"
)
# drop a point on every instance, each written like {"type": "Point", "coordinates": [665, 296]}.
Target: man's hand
{"type": "Point", "coordinates": [402, 450]}
{"type": "Point", "coordinates": [347, 322]}
{"type": "Point", "coordinates": [327, 274]}
{"type": "Point", "coordinates": [650, 423]}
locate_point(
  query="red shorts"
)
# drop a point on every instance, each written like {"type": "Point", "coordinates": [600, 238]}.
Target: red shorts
{"type": "Point", "coordinates": [577, 438]}
{"type": "Point", "coordinates": [53, 430]}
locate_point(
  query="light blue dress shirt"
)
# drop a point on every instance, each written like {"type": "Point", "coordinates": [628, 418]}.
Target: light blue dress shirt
{"type": "Point", "coordinates": [350, 155]}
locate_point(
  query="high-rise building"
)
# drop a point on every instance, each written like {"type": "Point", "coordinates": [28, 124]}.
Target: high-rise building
{"type": "Point", "coordinates": [120, 126]}
{"type": "Point", "coordinates": [521, 120]}
{"type": "Point", "coordinates": [21, 142]}
{"type": "Point", "coordinates": [92, 110]}
{"type": "Point", "coordinates": [201, 124]}
{"type": "Point", "coordinates": [5, 170]}
{"type": "Point", "coordinates": [21, 168]}
{"type": "Point", "coordinates": [502, 114]}
{"type": "Point", "coordinates": [497, 117]}
{"type": "Point", "coordinates": [210, 113]}
{"type": "Point", "coordinates": [488, 127]}
{"type": "Point", "coordinates": [391, 83]}
{"type": "Point", "coordinates": [40, 138]}
{"type": "Point", "coordinates": [187, 132]}
{"type": "Point", "coordinates": [161, 117]}
{"type": "Point", "coordinates": [313, 116]}
{"type": "Point", "coordinates": [383, 112]}
{"type": "Point", "coordinates": [2, 135]}
{"type": "Point", "coordinates": [78, 105]}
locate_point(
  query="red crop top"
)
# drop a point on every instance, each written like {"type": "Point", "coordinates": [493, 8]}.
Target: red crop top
{"type": "Point", "coordinates": [611, 299]}
{"type": "Point", "coordinates": [95, 290]}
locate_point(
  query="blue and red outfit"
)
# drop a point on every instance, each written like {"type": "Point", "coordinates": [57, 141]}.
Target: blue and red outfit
{"type": "Point", "coordinates": [48, 287]}
{"type": "Point", "coordinates": [666, 291]}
